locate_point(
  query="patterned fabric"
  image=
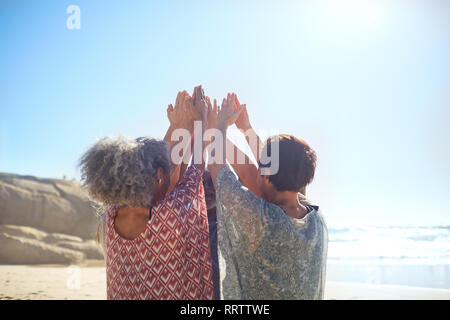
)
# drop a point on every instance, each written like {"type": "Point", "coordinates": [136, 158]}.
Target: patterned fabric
{"type": "Point", "coordinates": [171, 258]}
{"type": "Point", "coordinates": [264, 253]}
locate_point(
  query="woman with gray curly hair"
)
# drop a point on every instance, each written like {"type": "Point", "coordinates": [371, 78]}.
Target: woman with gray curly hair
{"type": "Point", "coordinates": [154, 233]}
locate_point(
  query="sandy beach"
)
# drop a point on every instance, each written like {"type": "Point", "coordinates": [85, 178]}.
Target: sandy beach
{"type": "Point", "coordinates": [53, 282]}
{"type": "Point", "coordinates": [88, 282]}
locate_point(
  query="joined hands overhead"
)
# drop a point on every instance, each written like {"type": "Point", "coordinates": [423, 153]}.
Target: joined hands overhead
{"type": "Point", "coordinates": [199, 107]}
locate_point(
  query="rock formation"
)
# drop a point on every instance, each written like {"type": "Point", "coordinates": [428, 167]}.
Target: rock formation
{"type": "Point", "coordinates": [45, 221]}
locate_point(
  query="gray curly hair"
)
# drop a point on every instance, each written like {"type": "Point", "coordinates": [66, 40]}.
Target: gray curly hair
{"type": "Point", "coordinates": [121, 171]}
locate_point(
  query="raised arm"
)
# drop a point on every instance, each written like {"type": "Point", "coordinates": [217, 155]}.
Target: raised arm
{"type": "Point", "coordinates": [182, 116]}
{"type": "Point", "coordinates": [240, 162]}
{"type": "Point", "coordinates": [243, 124]}
{"type": "Point", "coordinates": [200, 103]}
{"type": "Point", "coordinates": [243, 166]}
{"type": "Point", "coordinates": [186, 158]}
{"type": "Point", "coordinates": [227, 115]}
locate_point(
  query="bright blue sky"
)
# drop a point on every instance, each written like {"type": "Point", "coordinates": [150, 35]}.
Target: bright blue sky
{"type": "Point", "coordinates": [366, 83]}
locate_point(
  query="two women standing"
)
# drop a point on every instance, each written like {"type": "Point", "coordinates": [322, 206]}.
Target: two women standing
{"type": "Point", "coordinates": [155, 232]}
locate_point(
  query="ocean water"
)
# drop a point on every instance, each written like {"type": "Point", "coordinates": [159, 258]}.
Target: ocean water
{"type": "Point", "coordinates": [412, 256]}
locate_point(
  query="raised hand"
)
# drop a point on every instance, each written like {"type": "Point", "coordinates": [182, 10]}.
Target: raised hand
{"type": "Point", "coordinates": [171, 115]}
{"type": "Point", "coordinates": [213, 111]}
{"type": "Point", "coordinates": [242, 122]}
{"type": "Point", "coordinates": [229, 112]}
{"type": "Point", "coordinates": [183, 114]}
{"type": "Point", "coordinates": [200, 102]}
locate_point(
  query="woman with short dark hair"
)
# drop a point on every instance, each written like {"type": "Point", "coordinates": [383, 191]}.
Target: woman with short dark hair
{"type": "Point", "coordinates": [273, 242]}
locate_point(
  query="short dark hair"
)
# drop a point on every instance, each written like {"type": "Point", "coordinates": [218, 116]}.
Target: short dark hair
{"type": "Point", "coordinates": [297, 163]}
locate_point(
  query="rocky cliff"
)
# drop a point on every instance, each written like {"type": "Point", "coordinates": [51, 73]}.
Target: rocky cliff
{"type": "Point", "coordinates": [45, 221]}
